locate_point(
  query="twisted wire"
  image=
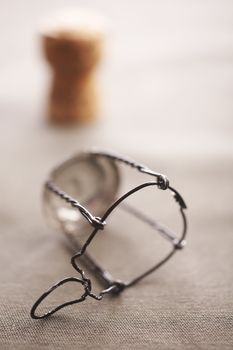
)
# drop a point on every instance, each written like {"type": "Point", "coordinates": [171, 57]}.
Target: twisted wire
{"type": "Point", "coordinates": [113, 286]}
{"type": "Point", "coordinates": [93, 220]}
{"type": "Point", "coordinates": [163, 182]}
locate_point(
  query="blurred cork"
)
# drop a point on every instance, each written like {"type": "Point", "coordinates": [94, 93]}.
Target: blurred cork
{"type": "Point", "coordinates": [73, 46]}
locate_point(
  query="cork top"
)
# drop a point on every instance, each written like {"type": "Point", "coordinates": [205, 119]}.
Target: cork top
{"type": "Point", "coordinates": [74, 25]}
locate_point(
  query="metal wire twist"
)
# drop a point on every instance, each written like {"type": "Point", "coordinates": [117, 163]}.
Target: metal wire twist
{"type": "Point", "coordinates": [163, 182]}
{"type": "Point", "coordinates": [95, 221]}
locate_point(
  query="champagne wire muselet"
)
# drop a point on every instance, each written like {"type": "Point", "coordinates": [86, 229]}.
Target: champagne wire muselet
{"type": "Point", "coordinates": [105, 164]}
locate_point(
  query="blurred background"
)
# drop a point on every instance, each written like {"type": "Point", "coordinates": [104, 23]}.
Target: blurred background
{"type": "Point", "coordinates": [166, 78]}
{"type": "Point", "coordinates": [165, 85]}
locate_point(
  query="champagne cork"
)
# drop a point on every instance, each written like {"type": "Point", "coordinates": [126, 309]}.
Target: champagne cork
{"type": "Point", "coordinates": [73, 46]}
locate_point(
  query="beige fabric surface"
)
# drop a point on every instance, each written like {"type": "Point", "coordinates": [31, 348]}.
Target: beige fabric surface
{"type": "Point", "coordinates": [186, 304]}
